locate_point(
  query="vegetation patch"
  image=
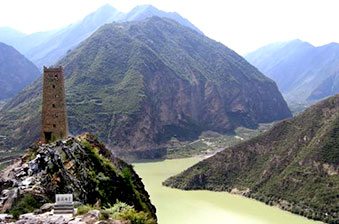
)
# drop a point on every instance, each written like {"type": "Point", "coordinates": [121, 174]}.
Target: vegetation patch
{"type": "Point", "coordinates": [330, 150]}
{"type": "Point", "coordinates": [119, 211]}
{"type": "Point", "coordinates": [27, 203]}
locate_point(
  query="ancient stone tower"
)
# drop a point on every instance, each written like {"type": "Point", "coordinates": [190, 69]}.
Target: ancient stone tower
{"type": "Point", "coordinates": [54, 118]}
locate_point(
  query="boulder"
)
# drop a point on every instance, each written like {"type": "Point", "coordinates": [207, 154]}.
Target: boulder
{"type": "Point", "coordinates": [91, 217]}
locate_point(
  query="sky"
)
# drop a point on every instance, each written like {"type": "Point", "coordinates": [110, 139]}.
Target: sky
{"type": "Point", "coordinates": [242, 25]}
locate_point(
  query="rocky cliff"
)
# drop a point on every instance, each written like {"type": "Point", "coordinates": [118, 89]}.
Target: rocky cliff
{"type": "Point", "coordinates": [294, 166]}
{"type": "Point", "coordinates": [136, 85]}
{"type": "Point", "coordinates": [81, 166]}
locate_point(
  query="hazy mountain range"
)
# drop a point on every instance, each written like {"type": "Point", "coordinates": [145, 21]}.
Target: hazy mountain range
{"type": "Point", "coordinates": [45, 48]}
{"type": "Point", "coordinates": [137, 84]}
{"type": "Point", "coordinates": [302, 71]}
{"type": "Point", "coordinates": [138, 80]}
{"type": "Point", "coordinates": [293, 166]}
{"type": "Point", "coordinates": [16, 71]}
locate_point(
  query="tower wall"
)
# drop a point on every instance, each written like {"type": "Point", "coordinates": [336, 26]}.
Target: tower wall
{"type": "Point", "coordinates": [54, 117]}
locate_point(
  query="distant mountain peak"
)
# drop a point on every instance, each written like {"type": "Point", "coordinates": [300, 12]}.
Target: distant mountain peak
{"type": "Point", "coordinates": [106, 7]}
{"type": "Point", "coordinates": [331, 45]}
{"type": "Point", "coordinates": [298, 41]}
{"type": "Point", "coordinates": [105, 10]}
{"type": "Point", "coordinates": [46, 48]}
{"type": "Point", "coordinates": [145, 7]}
{"type": "Point", "coordinates": [141, 12]}
{"type": "Point", "coordinates": [16, 71]}
{"type": "Point", "coordinates": [301, 70]}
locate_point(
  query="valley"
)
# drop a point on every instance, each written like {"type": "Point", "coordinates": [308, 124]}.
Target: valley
{"type": "Point", "coordinates": [142, 117]}
{"type": "Point", "coordinates": [209, 142]}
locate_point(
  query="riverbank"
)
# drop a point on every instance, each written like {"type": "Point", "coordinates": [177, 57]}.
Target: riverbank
{"type": "Point", "coordinates": [201, 207]}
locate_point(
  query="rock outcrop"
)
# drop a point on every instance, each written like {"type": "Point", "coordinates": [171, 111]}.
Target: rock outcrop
{"type": "Point", "coordinates": [82, 166]}
{"type": "Point", "coordinates": [92, 217]}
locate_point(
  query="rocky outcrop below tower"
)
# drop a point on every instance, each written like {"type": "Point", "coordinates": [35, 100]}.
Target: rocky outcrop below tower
{"type": "Point", "coordinates": [81, 166]}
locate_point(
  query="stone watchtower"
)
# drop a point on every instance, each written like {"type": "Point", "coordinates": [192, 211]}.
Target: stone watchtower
{"type": "Point", "coordinates": [54, 118]}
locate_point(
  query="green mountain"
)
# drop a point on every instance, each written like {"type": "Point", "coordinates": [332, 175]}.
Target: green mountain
{"type": "Point", "coordinates": [46, 48]}
{"type": "Point", "coordinates": [16, 72]}
{"type": "Point", "coordinates": [298, 68]}
{"type": "Point", "coordinates": [294, 166]}
{"type": "Point", "coordinates": [136, 85]}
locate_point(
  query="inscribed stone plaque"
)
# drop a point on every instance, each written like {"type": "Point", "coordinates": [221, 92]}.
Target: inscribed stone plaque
{"type": "Point", "coordinates": [64, 198]}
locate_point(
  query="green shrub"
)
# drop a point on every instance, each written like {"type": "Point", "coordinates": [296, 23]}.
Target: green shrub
{"type": "Point", "coordinates": [83, 209]}
{"type": "Point", "coordinates": [26, 204]}
{"type": "Point", "coordinates": [123, 211]}
{"type": "Point", "coordinates": [135, 217]}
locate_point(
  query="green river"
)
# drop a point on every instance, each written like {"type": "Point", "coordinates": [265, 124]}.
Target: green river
{"type": "Point", "coordinates": [204, 207]}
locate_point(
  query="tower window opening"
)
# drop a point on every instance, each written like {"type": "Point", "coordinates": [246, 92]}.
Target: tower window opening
{"type": "Point", "coordinates": [53, 105]}
{"type": "Point", "coordinates": [53, 86]}
{"type": "Point", "coordinates": [54, 125]}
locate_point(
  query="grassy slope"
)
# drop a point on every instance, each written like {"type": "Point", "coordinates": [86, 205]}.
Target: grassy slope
{"type": "Point", "coordinates": [106, 80]}
{"type": "Point", "coordinates": [295, 165]}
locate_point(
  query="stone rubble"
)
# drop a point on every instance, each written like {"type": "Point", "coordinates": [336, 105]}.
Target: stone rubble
{"type": "Point", "coordinates": [92, 217]}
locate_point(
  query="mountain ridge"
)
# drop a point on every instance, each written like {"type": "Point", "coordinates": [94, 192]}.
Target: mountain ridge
{"type": "Point", "coordinates": [46, 48]}
{"type": "Point", "coordinates": [16, 71]}
{"type": "Point", "coordinates": [293, 166]}
{"type": "Point", "coordinates": [297, 67]}
{"type": "Point", "coordinates": [138, 84]}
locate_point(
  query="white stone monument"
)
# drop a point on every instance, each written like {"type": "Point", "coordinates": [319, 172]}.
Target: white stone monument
{"type": "Point", "coordinates": [63, 204]}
